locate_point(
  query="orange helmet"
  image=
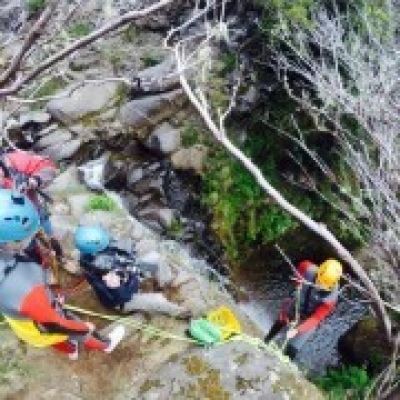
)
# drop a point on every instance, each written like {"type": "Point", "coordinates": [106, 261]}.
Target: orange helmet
{"type": "Point", "coordinates": [329, 273]}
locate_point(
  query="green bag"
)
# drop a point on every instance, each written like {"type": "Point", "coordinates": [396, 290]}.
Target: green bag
{"type": "Point", "coordinates": [204, 331]}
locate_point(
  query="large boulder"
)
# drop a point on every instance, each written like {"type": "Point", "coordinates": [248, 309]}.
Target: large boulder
{"type": "Point", "coordinates": [84, 101]}
{"type": "Point", "coordinates": [365, 344]}
{"type": "Point", "coordinates": [148, 111]}
{"type": "Point", "coordinates": [165, 139]}
{"type": "Point", "coordinates": [192, 158]}
{"type": "Point", "coordinates": [236, 370]}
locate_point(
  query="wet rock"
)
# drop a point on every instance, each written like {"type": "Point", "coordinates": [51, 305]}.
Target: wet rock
{"type": "Point", "coordinates": [134, 175]}
{"type": "Point", "coordinates": [115, 174]}
{"type": "Point", "coordinates": [165, 139]}
{"type": "Point", "coordinates": [55, 138]}
{"type": "Point", "coordinates": [158, 78]}
{"type": "Point", "coordinates": [149, 111]}
{"type": "Point", "coordinates": [62, 151]}
{"type": "Point", "coordinates": [236, 370]}
{"type": "Point", "coordinates": [68, 180]}
{"type": "Point", "coordinates": [92, 173]}
{"type": "Point", "coordinates": [365, 344]}
{"type": "Point", "coordinates": [84, 101]}
{"type": "Point", "coordinates": [162, 216]}
{"type": "Point", "coordinates": [12, 16]}
{"type": "Point", "coordinates": [36, 117]}
{"type": "Point", "coordinates": [192, 158]}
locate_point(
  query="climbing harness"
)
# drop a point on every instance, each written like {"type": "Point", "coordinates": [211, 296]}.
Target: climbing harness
{"type": "Point", "coordinates": [47, 251]}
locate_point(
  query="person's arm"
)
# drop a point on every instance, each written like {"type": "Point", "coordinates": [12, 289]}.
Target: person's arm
{"type": "Point", "coordinates": [321, 312]}
{"type": "Point", "coordinates": [36, 306]}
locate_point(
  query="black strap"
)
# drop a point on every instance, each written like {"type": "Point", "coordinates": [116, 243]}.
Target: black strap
{"type": "Point", "coordinates": [307, 299]}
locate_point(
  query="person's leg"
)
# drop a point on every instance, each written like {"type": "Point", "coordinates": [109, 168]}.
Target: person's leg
{"type": "Point", "coordinates": [276, 327]}
{"type": "Point", "coordinates": [295, 344]}
{"type": "Point", "coordinates": [154, 303]}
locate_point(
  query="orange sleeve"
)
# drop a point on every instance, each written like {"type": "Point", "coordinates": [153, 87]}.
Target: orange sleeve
{"type": "Point", "coordinates": [36, 306]}
{"type": "Point", "coordinates": [316, 317]}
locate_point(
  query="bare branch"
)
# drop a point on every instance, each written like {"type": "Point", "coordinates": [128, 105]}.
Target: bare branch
{"type": "Point", "coordinates": [125, 19]}
{"type": "Point", "coordinates": [30, 39]}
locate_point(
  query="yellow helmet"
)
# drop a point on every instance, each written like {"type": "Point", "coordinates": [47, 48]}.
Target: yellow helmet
{"type": "Point", "coordinates": [329, 273]}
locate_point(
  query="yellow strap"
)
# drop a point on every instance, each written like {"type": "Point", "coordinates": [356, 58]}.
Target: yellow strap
{"type": "Point", "coordinates": [150, 329]}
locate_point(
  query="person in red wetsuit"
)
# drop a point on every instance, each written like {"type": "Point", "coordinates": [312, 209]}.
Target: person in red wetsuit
{"type": "Point", "coordinates": [30, 307]}
{"type": "Point", "coordinates": [318, 291]}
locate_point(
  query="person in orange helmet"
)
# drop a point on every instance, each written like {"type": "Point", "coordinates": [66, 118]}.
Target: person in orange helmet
{"type": "Point", "coordinates": [318, 292]}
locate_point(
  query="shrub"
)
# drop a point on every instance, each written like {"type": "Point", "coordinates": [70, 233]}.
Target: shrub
{"type": "Point", "coordinates": [79, 29]}
{"type": "Point", "coordinates": [101, 202]}
{"type": "Point", "coordinates": [345, 383]}
{"type": "Point", "coordinates": [35, 6]}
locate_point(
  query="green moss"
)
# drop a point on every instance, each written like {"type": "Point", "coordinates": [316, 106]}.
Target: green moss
{"type": "Point", "coordinates": [35, 6]}
{"type": "Point", "coordinates": [208, 385]}
{"type": "Point", "coordinates": [79, 29]}
{"type": "Point", "coordinates": [150, 60]}
{"type": "Point", "coordinates": [130, 34]}
{"type": "Point", "coordinates": [195, 365]}
{"type": "Point", "coordinates": [245, 384]}
{"type": "Point", "coordinates": [242, 359]}
{"type": "Point", "coordinates": [101, 202]}
{"type": "Point", "coordinates": [149, 385]}
{"type": "Point", "coordinates": [50, 88]}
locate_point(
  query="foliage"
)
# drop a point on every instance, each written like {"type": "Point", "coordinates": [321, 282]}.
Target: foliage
{"type": "Point", "coordinates": [243, 217]}
{"type": "Point", "coordinates": [346, 383]}
{"type": "Point", "coordinates": [35, 6]}
{"type": "Point", "coordinates": [79, 29]}
{"type": "Point", "coordinates": [149, 60]}
{"type": "Point", "coordinates": [101, 202]}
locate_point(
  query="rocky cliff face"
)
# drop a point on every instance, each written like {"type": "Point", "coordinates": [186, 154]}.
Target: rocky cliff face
{"type": "Point", "coordinates": [147, 365]}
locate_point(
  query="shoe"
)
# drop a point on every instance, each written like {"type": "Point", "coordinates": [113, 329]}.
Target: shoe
{"type": "Point", "coordinates": [115, 336]}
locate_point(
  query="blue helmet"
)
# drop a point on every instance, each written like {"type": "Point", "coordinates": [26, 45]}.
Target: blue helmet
{"type": "Point", "coordinates": [91, 239]}
{"type": "Point", "coordinates": [19, 218]}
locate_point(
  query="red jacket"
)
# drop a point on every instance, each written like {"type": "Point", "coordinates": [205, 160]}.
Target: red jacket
{"type": "Point", "coordinates": [30, 165]}
{"type": "Point", "coordinates": [324, 307]}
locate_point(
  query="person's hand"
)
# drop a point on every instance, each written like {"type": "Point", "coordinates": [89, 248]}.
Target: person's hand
{"type": "Point", "coordinates": [90, 326]}
{"type": "Point", "coordinates": [112, 280]}
{"type": "Point", "coordinates": [291, 333]}
{"type": "Point", "coordinates": [2, 176]}
{"type": "Point", "coordinates": [33, 183]}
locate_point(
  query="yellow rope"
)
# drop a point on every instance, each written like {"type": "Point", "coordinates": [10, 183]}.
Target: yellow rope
{"type": "Point", "coordinates": [150, 329]}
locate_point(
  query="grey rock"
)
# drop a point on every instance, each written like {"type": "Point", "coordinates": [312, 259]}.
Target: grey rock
{"type": "Point", "coordinates": [37, 117]}
{"type": "Point", "coordinates": [149, 111]}
{"type": "Point", "coordinates": [160, 77]}
{"type": "Point", "coordinates": [134, 175]}
{"type": "Point", "coordinates": [55, 138]}
{"type": "Point", "coordinates": [164, 139]}
{"type": "Point", "coordinates": [192, 158]}
{"type": "Point", "coordinates": [68, 180]}
{"type": "Point", "coordinates": [89, 99]}
{"type": "Point", "coordinates": [234, 371]}
{"type": "Point", "coordinates": [67, 150]}
{"type": "Point", "coordinates": [92, 173]}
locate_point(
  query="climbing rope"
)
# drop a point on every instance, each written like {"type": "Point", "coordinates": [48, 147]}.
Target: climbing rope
{"type": "Point", "coordinates": [147, 328]}
{"type": "Point", "coordinates": [154, 331]}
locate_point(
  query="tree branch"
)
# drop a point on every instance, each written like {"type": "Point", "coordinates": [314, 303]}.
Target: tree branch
{"type": "Point", "coordinates": [44, 65]}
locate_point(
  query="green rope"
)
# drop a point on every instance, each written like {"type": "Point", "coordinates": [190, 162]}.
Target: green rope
{"type": "Point", "coordinates": [150, 329]}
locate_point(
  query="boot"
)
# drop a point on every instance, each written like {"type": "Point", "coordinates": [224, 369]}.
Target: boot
{"type": "Point", "coordinates": [115, 336]}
